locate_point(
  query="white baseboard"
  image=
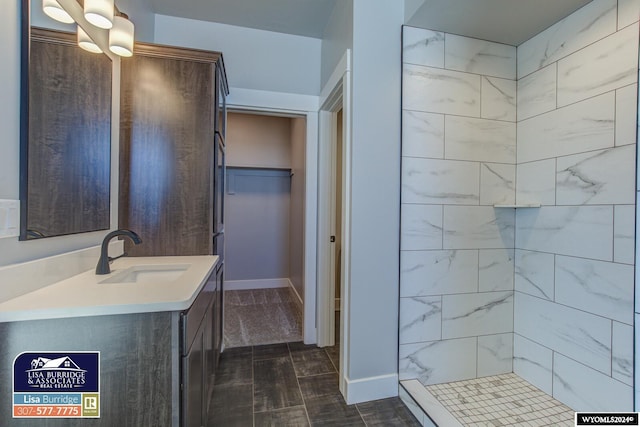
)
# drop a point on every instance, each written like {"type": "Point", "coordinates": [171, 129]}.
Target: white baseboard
{"type": "Point", "coordinates": [295, 291]}
{"type": "Point", "coordinates": [372, 388]}
{"type": "Point", "coordinates": [243, 285]}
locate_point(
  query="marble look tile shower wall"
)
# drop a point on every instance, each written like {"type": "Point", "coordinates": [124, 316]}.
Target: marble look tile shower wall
{"type": "Point", "coordinates": [580, 29]}
{"type": "Point", "coordinates": [546, 293]}
{"type": "Point", "coordinates": [459, 159]}
{"type": "Point", "coordinates": [576, 156]}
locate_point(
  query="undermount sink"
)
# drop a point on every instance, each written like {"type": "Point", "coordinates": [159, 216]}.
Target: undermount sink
{"type": "Point", "coordinates": [148, 274]}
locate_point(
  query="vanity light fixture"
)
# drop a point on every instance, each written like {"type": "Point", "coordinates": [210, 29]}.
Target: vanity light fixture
{"type": "Point", "coordinates": [54, 11]}
{"type": "Point", "coordinates": [86, 42]}
{"type": "Point", "coordinates": [103, 14]}
{"type": "Point", "coordinates": [99, 13]}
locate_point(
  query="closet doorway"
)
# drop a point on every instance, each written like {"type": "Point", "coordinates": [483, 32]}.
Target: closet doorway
{"type": "Point", "coordinates": [264, 229]}
{"type": "Point", "coordinates": [334, 218]}
{"type": "Point", "coordinates": [336, 240]}
{"type": "Point", "coordinates": [337, 184]}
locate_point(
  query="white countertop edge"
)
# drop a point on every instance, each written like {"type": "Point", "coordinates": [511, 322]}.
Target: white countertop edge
{"type": "Point", "coordinates": [77, 309]}
{"type": "Point", "coordinates": [107, 310]}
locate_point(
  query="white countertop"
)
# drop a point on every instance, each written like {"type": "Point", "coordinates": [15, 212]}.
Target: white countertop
{"type": "Point", "coordinates": [84, 294]}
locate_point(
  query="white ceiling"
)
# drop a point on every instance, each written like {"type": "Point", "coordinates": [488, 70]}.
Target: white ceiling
{"type": "Point", "coordinates": [505, 21]}
{"type": "Point", "coordinates": [300, 17]}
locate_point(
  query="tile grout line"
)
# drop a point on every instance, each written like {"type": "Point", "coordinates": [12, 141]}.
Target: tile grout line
{"type": "Point", "coordinates": [253, 389]}
{"type": "Point", "coordinates": [360, 414]}
{"type": "Point", "coordinates": [333, 364]}
{"type": "Point", "coordinates": [304, 402]}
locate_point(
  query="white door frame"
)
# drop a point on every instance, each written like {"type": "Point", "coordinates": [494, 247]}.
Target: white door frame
{"type": "Point", "coordinates": [285, 104]}
{"type": "Point", "coordinates": [335, 96]}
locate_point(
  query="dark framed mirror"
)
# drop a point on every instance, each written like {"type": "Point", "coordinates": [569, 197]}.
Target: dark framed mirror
{"type": "Point", "coordinates": [65, 134]}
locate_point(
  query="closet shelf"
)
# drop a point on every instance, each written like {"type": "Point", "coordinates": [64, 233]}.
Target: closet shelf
{"type": "Point", "coordinates": [261, 168]}
{"type": "Point", "coordinates": [517, 205]}
{"type": "Point", "coordinates": [258, 167]}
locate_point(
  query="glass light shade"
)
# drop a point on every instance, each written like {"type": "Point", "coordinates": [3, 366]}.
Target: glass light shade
{"type": "Point", "coordinates": [99, 13]}
{"type": "Point", "coordinates": [85, 42]}
{"type": "Point", "coordinates": [53, 10]}
{"type": "Point", "coordinates": [121, 37]}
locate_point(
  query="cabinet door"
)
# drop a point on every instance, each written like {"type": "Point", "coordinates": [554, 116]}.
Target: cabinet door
{"type": "Point", "coordinates": [214, 325]}
{"type": "Point", "coordinates": [209, 352]}
{"type": "Point", "coordinates": [218, 314]}
{"type": "Point", "coordinates": [221, 119]}
{"type": "Point", "coordinates": [166, 155]}
{"type": "Point", "coordinates": [193, 384]}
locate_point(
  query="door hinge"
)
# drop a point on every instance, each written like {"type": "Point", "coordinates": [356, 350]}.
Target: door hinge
{"type": "Point", "coordinates": [332, 239]}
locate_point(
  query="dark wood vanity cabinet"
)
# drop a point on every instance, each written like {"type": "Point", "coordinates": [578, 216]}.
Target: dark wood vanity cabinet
{"type": "Point", "coordinates": [171, 121]}
{"type": "Point", "coordinates": [172, 173]}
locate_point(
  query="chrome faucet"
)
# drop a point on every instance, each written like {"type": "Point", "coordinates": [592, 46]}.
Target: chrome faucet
{"type": "Point", "coordinates": [105, 259]}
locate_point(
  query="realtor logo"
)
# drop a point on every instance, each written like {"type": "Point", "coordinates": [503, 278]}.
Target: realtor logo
{"type": "Point", "coordinates": [61, 385]}
{"type": "Point", "coordinates": [90, 402]}
{"type": "Point", "coordinates": [72, 372]}
{"type": "Point", "coordinates": [91, 405]}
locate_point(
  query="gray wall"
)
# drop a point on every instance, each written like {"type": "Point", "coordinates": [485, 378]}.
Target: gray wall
{"type": "Point", "coordinates": [254, 59]}
{"type": "Point", "coordinates": [257, 224]}
{"type": "Point", "coordinates": [10, 107]}
{"type": "Point", "coordinates": [375, 189]}
{"type": "Point", "coordinates": [296, 224]}
{"type": "Point", "coordinates": [140, 13]}
{"type": "Point", "coordinates": [338, 37]}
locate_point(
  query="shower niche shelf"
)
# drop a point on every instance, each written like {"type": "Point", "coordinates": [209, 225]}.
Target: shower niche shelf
{"type": "Point", "coordinates": [517, 205]}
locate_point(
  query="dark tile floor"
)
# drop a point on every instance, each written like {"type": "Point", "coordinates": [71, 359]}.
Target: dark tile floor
{"type": "Point", "coordinates": [292, 384]}
{"type": "Point", "coordinates": [261, 316]}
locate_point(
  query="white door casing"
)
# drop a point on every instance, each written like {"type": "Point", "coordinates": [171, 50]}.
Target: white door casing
{"type": "Point", "coordinates": [334, 97]}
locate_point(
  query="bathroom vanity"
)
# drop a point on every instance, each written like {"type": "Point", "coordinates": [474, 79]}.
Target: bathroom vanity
{"type": "Point", "coordinates": [157, 318]}
{"type": "Point", "coordinates": [153, 320]}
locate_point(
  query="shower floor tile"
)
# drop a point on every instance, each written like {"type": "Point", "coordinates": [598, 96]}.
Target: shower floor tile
{"type": "Point", "coordinates": [501, 400]}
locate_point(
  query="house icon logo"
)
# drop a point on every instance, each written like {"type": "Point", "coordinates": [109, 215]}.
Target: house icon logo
{"type": "Point", "coordinates": [62, 363]}
{"type": "Point", "coordinates": [52, 372]}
